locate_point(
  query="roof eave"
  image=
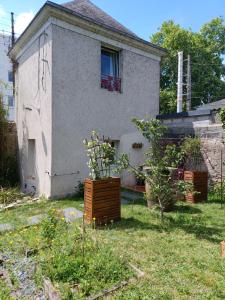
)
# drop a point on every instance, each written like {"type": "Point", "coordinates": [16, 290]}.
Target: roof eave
{"type": "Point", "coordinates": [50, 9]}
{"type": "Point", "coordinates": [36, 23]}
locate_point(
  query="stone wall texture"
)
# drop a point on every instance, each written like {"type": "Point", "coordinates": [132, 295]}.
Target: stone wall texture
{"type": "Point", "coordinates": [212, 138]}
{"type": "Point", "coordinates": [213, 152]}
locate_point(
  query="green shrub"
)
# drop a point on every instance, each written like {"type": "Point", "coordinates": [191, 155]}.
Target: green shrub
{"type": "Point", "coordinates": [222, 116]}
{"type": "Point", "coordinates": [9, 175]}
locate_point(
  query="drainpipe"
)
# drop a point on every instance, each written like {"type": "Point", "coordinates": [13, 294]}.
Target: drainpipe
{"type": "Point", "coordinates": [180, 83]}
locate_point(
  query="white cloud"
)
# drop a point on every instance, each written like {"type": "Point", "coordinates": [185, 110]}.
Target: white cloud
{"type": "Point", "coordinates": [2, 12]}
{"type": "Point", "coordinates": [22, 21]}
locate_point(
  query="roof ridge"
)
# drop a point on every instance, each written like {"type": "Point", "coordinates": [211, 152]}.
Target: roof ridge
{"type": "Point", "coordinates": [92, 11]}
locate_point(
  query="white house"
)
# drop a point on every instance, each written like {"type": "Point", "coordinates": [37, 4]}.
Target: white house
{"type": "Point", "coordinates": [78, 69]}
{"type": "Point", "coordinates": [6, 76]}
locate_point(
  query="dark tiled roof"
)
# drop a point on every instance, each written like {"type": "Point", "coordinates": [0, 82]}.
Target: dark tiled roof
{"type": "Point", "coordinates": [87, 9]}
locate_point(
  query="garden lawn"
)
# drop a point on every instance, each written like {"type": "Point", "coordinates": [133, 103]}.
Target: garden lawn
{"type": "Point", "coordinates": [18, 216]}
{"type": "Point", "coordinates": [180, 257]}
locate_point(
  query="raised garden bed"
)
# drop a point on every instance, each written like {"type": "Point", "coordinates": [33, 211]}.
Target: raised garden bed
{"type": "Point", "coordinates": [102, 200]}
{"type": "Point", "coordinates": [199, 179]}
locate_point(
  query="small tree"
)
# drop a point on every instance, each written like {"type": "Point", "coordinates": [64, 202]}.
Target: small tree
{"type": "Point", "coordinates": [161, 163]}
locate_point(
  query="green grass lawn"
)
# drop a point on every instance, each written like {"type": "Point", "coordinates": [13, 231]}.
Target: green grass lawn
{"type": "Point", "coordinates": [18, 216]}
{"type": "Point", "coordinates": [180, 257]}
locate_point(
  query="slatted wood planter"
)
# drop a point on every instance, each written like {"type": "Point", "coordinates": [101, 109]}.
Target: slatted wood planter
{"type": "Point", "coordinates": [200, 183]}
{"type": "Point", "coordinates": [222, 244]}
{"type": "Point", "coordinates": [102, 200]}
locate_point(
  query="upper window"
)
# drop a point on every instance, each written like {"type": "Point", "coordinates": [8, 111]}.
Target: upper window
{"type": "Point", "coordinates": [110, 70]}
{"type": "Point", "coordinates": [10, 76]}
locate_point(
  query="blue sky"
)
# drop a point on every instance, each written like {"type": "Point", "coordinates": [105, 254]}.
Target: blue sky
{"type": "Point", "coordinates": [143, 17]}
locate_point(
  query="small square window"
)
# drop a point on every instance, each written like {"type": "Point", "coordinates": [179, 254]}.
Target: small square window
{"type": "Point", "coordinates": [110, 70]}
{"type": "Point", "coordinates": [10, 76]}
{"type": "Point", "coordinates": [10, 101]}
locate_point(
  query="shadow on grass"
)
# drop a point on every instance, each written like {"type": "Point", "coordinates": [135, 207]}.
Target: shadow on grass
{"type": "Point", "coordinates": [133, 223]}
{"type": "Point", "coordinates": [195, 227]}
{"type": "Point", "coordinates": [187, 209]}
{"type": "Point", "coordinates": [138, 201]}
{"type": "Point", "coordinates": [190, 225]}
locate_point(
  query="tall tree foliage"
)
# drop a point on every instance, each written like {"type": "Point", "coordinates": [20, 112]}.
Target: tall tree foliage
{"type": "Point", "coordinates": [8, 162]}
{"type": "Point", "coordinates": [3, 130]}
{"type": "Point", "coordinates": [206, 47]}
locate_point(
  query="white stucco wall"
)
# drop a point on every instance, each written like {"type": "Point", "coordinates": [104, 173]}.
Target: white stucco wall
{"type": "Point", "coordinates": [34, 107]}
{"type": "Point", "coordinates": [136, 156]}
{"type": "Point", "coordinates": [5, 67]}
{"type": "Point", "coordinates": [79, 105]}
{"type": "Point", "coordinates": [60, 101]}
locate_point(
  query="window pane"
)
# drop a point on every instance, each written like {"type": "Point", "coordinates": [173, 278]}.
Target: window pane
{"type": "Point", "coordinates": [106, 63]}
{"type": "Point", "coordinates": [110, 63]}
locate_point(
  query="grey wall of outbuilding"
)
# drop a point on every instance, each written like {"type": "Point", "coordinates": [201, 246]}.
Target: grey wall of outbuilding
{"type": "Point", "coordinates": [33, 111]}
{"type": "Point", "coordinates": [80, 105]}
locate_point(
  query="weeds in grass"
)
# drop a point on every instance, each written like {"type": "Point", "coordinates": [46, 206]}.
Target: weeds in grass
{"type": "Point", "coordinates": [75, 258]}
{"type": "Point", "coordinates": [52, 225]}
{"type": "Point", "coordinates": [4, 291]}
{"type": "Point", "coordinates": [10, 195]}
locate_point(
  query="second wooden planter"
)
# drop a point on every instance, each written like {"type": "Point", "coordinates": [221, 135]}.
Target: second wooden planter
{"type": "Point", "coordinates": [200, 183]}
{"type": "Point", "coordinates": [102, 200]}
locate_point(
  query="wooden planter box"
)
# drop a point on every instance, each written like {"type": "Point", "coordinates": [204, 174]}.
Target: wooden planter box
{"type": "Point", "coordinates": [222, 244]}
{"type": "Point", "coordinates": [102, 200]}
{"type": "Point", "coordinates": [200, 183]}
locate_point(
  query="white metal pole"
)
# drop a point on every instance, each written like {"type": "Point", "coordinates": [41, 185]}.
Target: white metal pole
{"type": "Point", "coordinates": [189, 84]}
{"type": "Point", "coordinates": [180, 83]}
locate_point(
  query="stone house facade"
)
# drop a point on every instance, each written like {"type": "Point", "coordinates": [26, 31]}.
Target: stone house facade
{"type": "Point", "coordinates": [79, 70]}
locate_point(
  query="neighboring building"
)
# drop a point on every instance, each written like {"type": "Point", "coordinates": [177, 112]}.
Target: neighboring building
{"type": "Point", "coordinates": [212, 105]}
{"type": "Point", "coordinates": [6, 76]}
{"type": "Point", "coordinates": [77, 70]}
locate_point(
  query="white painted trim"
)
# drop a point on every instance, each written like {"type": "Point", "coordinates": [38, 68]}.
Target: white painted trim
{"type": "Point", "coordinates": [102, 39]}
{"type": "Point", "coordinates": [34, 38]}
